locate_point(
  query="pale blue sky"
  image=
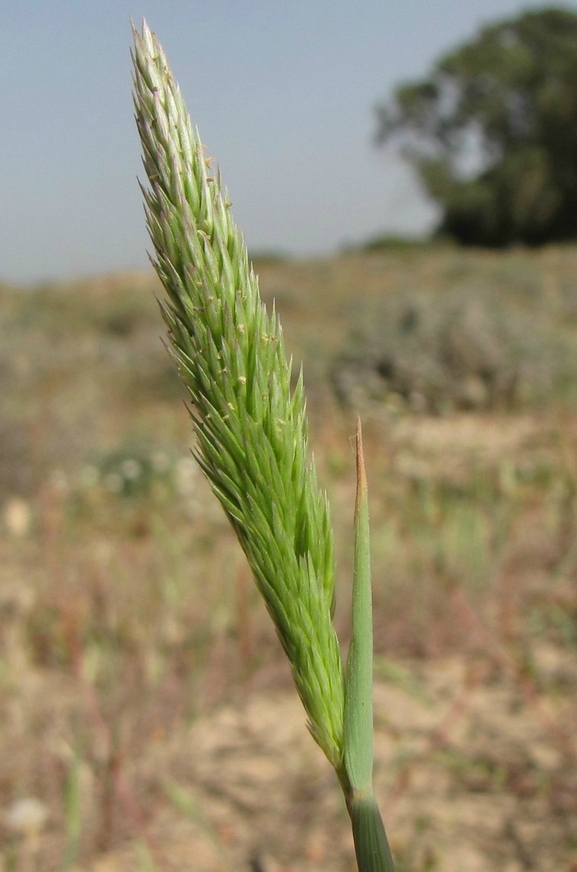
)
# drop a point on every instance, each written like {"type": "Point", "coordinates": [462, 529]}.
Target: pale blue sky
{"type": "Point", "coordinates": [283, 94]}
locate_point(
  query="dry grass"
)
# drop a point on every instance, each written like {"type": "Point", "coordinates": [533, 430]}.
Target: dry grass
{"type": "Point", "coordinates": [145, 705]}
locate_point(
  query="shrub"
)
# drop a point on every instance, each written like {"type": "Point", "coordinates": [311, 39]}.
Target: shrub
{"type": "Point", "coordinates": [463, 350]}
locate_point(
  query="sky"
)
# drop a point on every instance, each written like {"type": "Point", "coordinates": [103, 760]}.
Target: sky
{"type": "Point", "coordinates": [282, 91]}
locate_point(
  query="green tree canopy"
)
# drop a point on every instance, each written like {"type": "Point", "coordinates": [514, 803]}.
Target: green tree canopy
{"type": "Point", "coordinates": [492, 132]}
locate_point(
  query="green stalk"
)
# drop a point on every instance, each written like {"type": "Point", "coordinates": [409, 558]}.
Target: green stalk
{"type": "Point", "coordinates": [251, 436]}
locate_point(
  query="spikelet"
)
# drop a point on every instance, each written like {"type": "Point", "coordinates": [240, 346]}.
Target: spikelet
{"type": "Point", "coordinates": [251, 434]}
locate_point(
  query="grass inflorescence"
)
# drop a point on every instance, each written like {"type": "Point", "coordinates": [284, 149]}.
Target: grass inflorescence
{"type": "Point", "coordinates": [250, 426]}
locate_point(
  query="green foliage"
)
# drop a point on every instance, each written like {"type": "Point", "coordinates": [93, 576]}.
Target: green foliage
{"type": "Point", "coordinates": [493, 132]}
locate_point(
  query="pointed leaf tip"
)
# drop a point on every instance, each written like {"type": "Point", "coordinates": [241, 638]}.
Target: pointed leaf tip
{"type": "Point", "coordinates": [361, 471]}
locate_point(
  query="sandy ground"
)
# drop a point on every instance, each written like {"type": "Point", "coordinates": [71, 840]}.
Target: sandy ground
{"type": "Point", "coordinates": [474, 771]}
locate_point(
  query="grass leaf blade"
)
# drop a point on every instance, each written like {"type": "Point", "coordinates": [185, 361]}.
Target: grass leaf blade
{"type": "Point", "coordinates": [359, 679]}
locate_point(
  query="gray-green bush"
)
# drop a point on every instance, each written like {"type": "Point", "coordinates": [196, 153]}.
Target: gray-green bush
{"type": "Point", "coordinates": [468, 349]}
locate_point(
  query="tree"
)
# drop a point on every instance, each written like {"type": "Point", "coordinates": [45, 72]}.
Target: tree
{"type": "Point", "coordinates": [492, 132]}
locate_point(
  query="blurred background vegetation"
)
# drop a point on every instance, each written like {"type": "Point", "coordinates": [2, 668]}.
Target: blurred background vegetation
{"type": "Point", "coordinates": [129, 622]}
{"type": "Point", "coordinates": [147, 717]}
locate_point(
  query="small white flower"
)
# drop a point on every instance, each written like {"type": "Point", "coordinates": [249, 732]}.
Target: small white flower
{"type": "Point", "coordinates": [17, 517]}
{"type": "Point", "coordinates": [26, 815]}
{"type": "Point", "coordinates": [131, 469]}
